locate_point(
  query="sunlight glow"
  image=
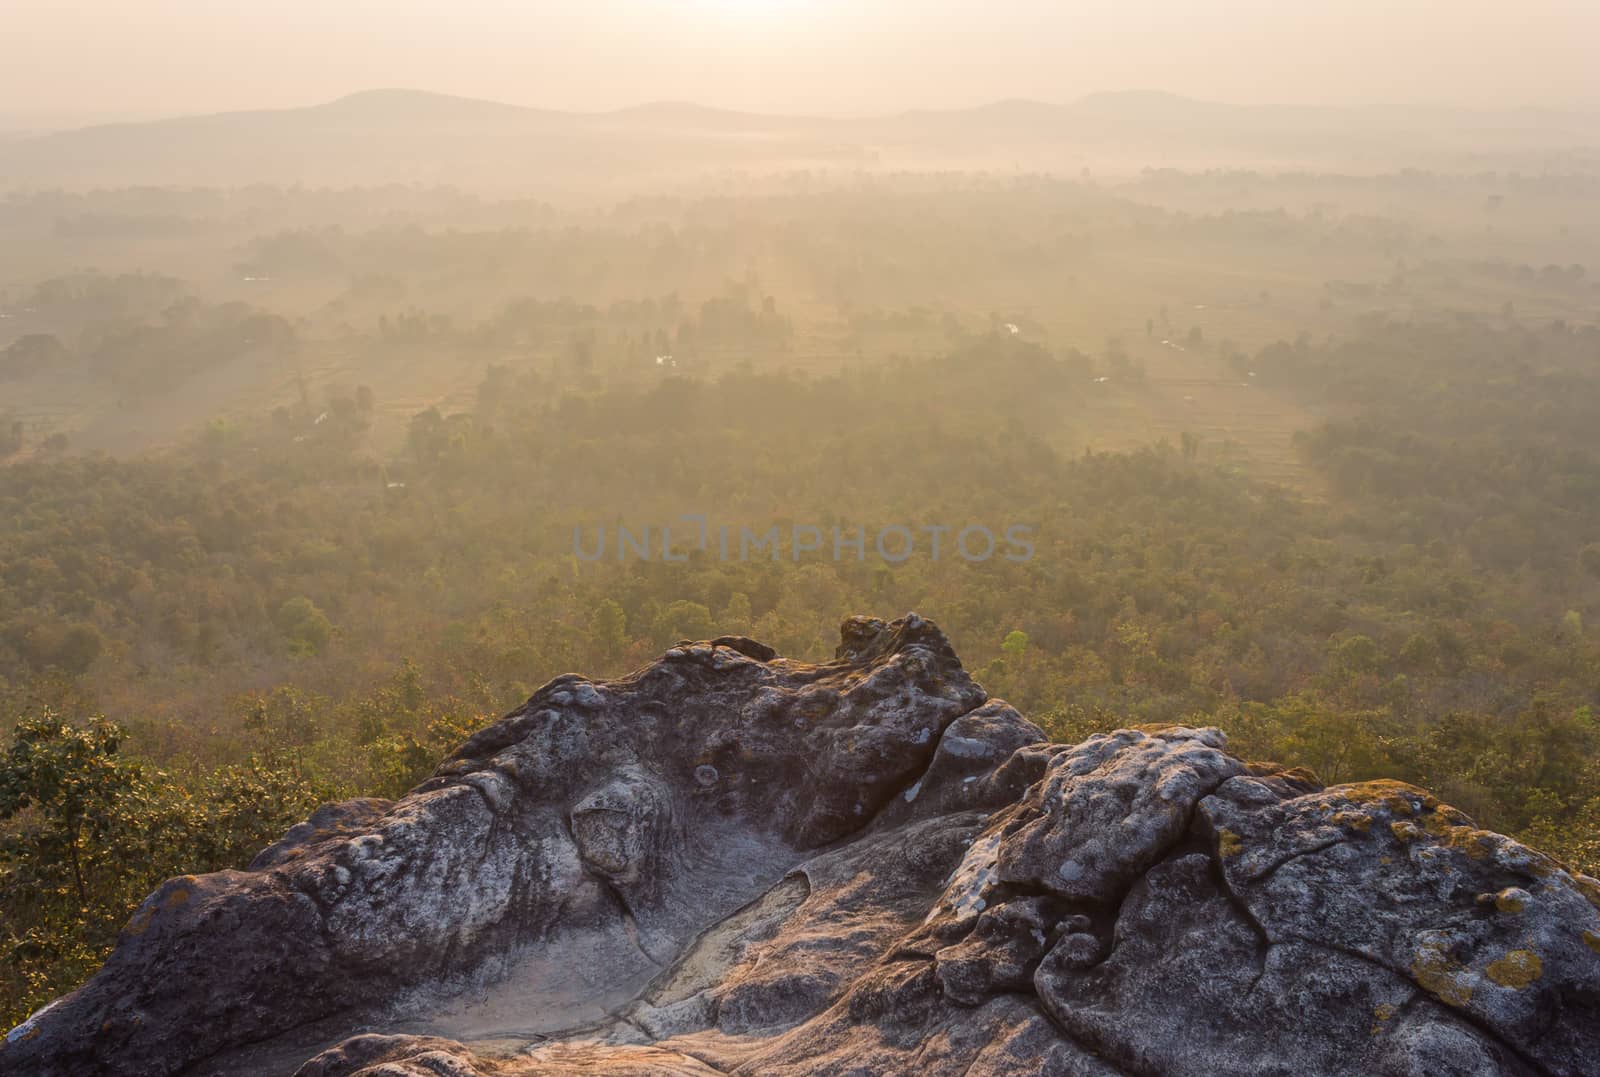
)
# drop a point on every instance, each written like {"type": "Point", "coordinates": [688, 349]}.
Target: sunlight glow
{"type": "Point", "coordinates": [757, 9]}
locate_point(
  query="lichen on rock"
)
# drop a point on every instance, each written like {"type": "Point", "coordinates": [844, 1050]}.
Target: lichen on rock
{"type": "Point", "coordinates": [730, 862]}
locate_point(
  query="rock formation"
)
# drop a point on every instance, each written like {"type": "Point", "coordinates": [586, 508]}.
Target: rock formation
{"type": "Point", "coordinates": [731, 862]}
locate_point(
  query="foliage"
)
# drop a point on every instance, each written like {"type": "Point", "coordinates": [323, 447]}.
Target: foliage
{"type": "Point", "coordinates": [89, 831]}
{"type": "Point", "coordinates": [273, 613]}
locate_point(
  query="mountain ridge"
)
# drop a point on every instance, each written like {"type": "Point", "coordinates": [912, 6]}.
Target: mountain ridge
{"type": "Point", "coordinates": [1102, 102]}
{"type": "Point", "coordinates": [1122, 103]}
{"type": "Point", "coordinates": [384, 136]}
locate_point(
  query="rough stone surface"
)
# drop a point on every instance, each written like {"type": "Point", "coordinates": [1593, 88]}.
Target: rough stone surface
{"type": "Point", "coordinates": [734, 863]}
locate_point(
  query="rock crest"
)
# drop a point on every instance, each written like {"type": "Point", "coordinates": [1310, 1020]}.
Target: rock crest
{"type": "Point", "coordinates": [731, 862]}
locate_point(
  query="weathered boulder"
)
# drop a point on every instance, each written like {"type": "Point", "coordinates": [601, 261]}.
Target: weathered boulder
{"type": "Point", "coordinates": [734, 863]}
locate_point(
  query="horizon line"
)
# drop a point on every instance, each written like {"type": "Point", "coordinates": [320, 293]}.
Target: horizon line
{"type": "Point", "coordinates": [45, 130]}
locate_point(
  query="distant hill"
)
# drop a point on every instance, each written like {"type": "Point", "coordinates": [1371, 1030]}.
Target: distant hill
{"type": "Point", "coordinates": [399, 135]}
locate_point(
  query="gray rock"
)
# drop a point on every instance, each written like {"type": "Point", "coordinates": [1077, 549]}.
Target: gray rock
{"type": "Point", "coordinates": [731, 862]}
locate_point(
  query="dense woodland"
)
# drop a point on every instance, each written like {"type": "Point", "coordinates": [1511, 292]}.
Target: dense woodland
{"type": "Point", "coordinates": [316, 591]}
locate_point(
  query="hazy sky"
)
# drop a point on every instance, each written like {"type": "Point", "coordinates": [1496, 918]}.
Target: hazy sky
{"type": "Point", "coordinates": [64, 61]}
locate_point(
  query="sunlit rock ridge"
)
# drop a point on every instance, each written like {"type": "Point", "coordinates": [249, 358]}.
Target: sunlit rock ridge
{"type": "Point", "coordinates": [735, 863]}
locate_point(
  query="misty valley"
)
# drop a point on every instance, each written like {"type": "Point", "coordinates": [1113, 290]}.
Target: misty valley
{"type": "Point", "coordinates": [1164, 421]}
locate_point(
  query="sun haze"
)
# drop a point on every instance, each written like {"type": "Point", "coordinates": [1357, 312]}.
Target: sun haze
{"type": "Point", "coordinates": [1216, 380]}
{"type": "Point", "coordinates": [112, 59]}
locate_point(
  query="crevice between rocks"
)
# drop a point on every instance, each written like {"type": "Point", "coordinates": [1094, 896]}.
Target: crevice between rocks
{"type": "Point", "coordinates": [1190, 839]}
{"type": "Point", "coordinates": [1105, 916]}
{"type": "Point", "coordinates": [919, 776]}
{"type": "Point", "coordinates": [1264, 942]}
{"type": "Point", "coordinates": [630, 923]}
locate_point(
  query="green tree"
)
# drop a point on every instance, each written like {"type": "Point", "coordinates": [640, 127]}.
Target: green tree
{"type": "Point", "coordinates": [683, 620]}
{"type": "Point", "coordinates": [737, 616]}
{"type": "Point", "coordinates": [1572, 625]}
{"type": "Point", "coordinates": [1356, 655]}
{"type": "Point", "coordinates": [71, 777]}
{"type": "Point", "coordinates": [608, 626]}
{"type": "Point", "coordinates": [305, 627]}
{"type": "Point", "coordinates": [88, 832]}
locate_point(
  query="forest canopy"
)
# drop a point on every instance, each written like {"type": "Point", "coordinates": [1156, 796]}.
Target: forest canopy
{"type": "Point", "coordinates": [1298, 456]}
